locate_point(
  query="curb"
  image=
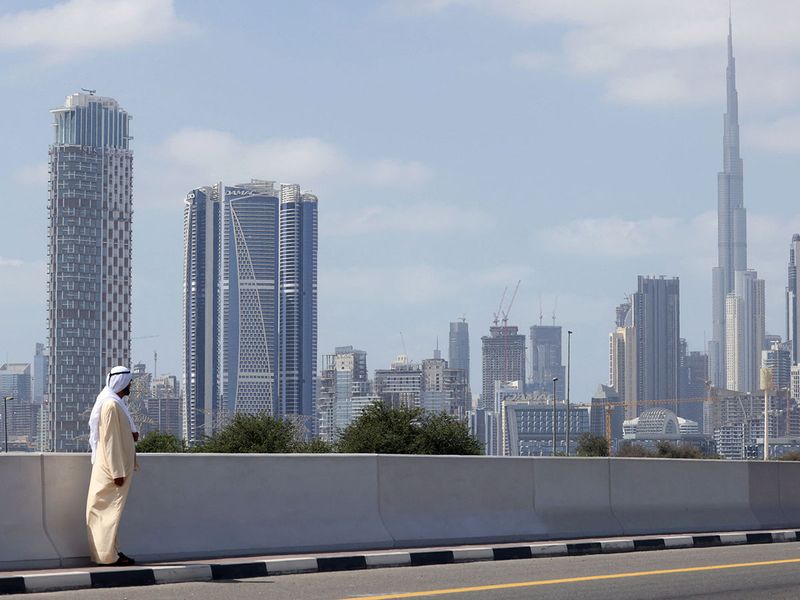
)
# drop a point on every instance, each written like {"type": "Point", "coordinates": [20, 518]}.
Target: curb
{"type": "Point", "coordinates": [139, 576]}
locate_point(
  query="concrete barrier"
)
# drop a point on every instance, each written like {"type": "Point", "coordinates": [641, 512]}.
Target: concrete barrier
{"type": "Point", "coordinates": [23, 539]}
{"type": "Point", "coordinates": [195, 505]}
{"type": "Point", "coordinates": [450, 499]}
{"type": "Point", "coordinates": [789, 491]}
{"type": "Point", "coordinates": [681, 496]}
{"type": "Point", "coordinates": [572, 497]}
{"type": "Point", "coordinates": [764, 493]}
{"type": "Point", "coordinates": [225, 505]}
{"type": "Point", "coordinates": [66, 481]}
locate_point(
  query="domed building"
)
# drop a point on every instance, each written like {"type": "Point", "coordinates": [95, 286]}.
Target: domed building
{"type": "Point", "coordinates": [659, 424]}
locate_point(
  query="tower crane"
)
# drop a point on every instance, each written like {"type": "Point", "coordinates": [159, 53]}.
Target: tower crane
{"type": "Point", "coordinates": [499, 311]}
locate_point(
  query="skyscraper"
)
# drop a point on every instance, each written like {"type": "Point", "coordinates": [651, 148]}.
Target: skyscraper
{"type": "Point", "coordinates": [503, 353]}
{"type": "Point", "coordinates": [250, 253]}
{"type": "Point", "coordinates": [344, 391]}
{"type": "Point", "coordinates": [694, 375]}
{"type": "Point", "coordinates": [458, 354]}
{"type": "Point", "coordinates": [89, 270]}
{"type": "Point", "coordinates": [201, 313]}
{"type": "Point", "coordinates": [40, 368]}
{"type": "Point", "coordinates": [731, 227]}
{"type": "Point", "coordinates": [644, 349]}
{"type": "Point", "coordinates": [793, 300]}
{"type": "Point", "coordinates": [656, 318]}
{"type": "Point", "coordinates": [249, 304]}
{"type": "Point", "coordinates": [298, 304]}
{"type": "Point", "coordinates": [546, 358]}
{"type": "Point", "coordinates": [745, 329]}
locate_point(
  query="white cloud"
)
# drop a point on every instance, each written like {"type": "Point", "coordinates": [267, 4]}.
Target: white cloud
{"type": "Point", "coordinates": [618, 238]}
{"type": "Point", "coordinates": [781, 135]}
{"type": "Point", "coordinates": [662, 52]}
{"type": "Point", "coordinates": [207, 155]}
{"type": "Point", "coordinates": [69, 28]}
{"type": "Point", "coordinates": [425, 218]}
{"type": "Point", "coordinates": [10, 262]}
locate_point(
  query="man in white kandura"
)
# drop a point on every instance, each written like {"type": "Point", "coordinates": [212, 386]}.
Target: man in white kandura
{"type": "Point", "coordinates": [112, 436]}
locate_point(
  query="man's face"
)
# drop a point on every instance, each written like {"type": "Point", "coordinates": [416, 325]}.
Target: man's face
{"type": "Point", "coordinates": [125, 392]}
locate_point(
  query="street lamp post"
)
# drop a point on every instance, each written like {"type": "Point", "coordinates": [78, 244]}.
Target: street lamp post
{"type": "Point", "coordinates": [555, 380]}
{"type": "Point", "coordinates": [5, 418]}
{"type": "Point", "coordinates": [569, 342]}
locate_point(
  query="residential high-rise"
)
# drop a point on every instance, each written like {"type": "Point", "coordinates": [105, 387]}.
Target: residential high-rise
{"type": "Point", "coordinates": [623, 364]}
{"type": "Point", "coordinates": [694, 376]}
{"type": "Point", "coordinates": [250, 316]}
{"type": "Point", "coordinates": [793, 301]}
{"type": "Point", "coordinates": [644, 349]}
{"type": "Point", "coordinates": [656, 318]}
{"type": "Point", "coordinates": [298, 304]}
{"type": "Point", "coordinates": [546, 359]}
{"type": "Point", "coordinates": [731, 231]}
{"type": "Point", "coordinates": [503, 352]}
{"type": "Point", "coordinates": [201, 311]}
{"type": "Point", "coordinates": [15, 380]}
{"type": "Point", "coordinates": [458, 356]}
{"type": "Point", "coordinates": [400, 385]}
{"type": "Point", "coordinates": [344, 391]}
{"type": "Point", "coordinates": [40, 368]}
{"type": "Point", "coordinates": [89, 269]}
{"type": "Point", "coordinates": [745, 329]}
{"type": "Point", "coordinates": [779, 360]}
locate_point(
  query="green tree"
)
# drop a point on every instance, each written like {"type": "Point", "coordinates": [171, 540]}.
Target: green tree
{"type": "Point", "coordinates": [445, 434]}
{"type": "Point", "coordinates": [634, 451]}
{"type": "Point", "coordinates": [316, 446]}
{"type": "Point", "coordinates": [158, 441]}
{"type": "Point", "coordinates": [669, 450]}
{"type": "Point", "coordinates": [664, 449]}
{"type": "Point", "coordinates": [385, 430]}
{"type": "Point", "coordinates": [259, 433]}
{"type": "Point", "coordinates": [592, 445]}
{"type": "Point", "coordinates": [382, 430]}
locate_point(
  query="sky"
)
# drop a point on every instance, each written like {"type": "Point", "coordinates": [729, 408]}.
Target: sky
{"type": "Point", "coordinates": [456, 147]}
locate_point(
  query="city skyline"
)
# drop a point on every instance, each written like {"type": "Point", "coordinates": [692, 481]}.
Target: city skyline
{"type": "Point", "coordinates": [392, 192]}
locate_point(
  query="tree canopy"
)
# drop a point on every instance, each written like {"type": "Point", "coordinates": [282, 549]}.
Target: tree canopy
{"type": "Point", "coordinates": [259, 433]}
{"type": "Point", "coordinates": [664, 449]}
{"type": "Point", "coordinates": [382, 429]}
{"type": "Point", "coordinates": [158, 441]}
{"type": "Point", "coordinates": [592, 445]}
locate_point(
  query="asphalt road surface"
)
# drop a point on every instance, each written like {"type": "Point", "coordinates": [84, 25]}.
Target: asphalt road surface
{"type": "Point", "coordinates": [730, 573]}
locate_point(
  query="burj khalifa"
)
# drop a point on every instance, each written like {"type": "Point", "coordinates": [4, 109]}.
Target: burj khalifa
{"type": "Point", "coordinates": [737, 294]}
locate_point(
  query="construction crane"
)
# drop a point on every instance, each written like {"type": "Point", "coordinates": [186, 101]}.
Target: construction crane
{"type": "Point", "coordinates": [505, 313]}
{"type": "Point", "coordinates": [510, 304]}
{"type": "Point", "coordinates": [499, 313]}
{"type": "Point", "coordinates": [403, 341]}
{"type": "Point", "coordinates": [555, 307]}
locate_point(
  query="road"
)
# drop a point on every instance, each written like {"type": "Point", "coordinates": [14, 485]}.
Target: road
{"type": "Point", "coordinates": [734, 572]}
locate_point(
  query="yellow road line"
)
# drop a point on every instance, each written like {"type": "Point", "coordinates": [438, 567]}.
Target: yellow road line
{"type": "Point", "coordinates": [522, 584]}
